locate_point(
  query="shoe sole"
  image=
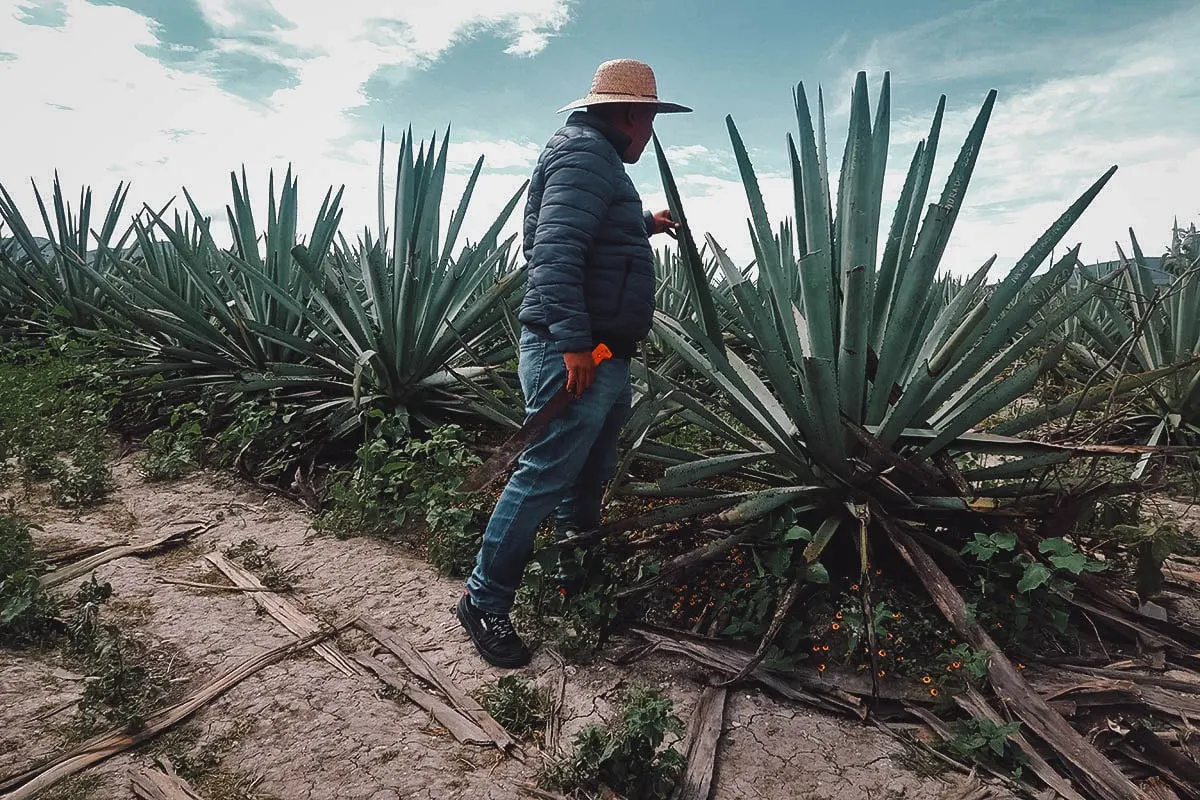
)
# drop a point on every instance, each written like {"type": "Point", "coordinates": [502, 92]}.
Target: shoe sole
{"type": "Point", "coordinates": [495, 662]}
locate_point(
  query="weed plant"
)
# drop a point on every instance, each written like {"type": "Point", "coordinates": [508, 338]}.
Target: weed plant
{"type": "Point", "coordinates": [627, 755]}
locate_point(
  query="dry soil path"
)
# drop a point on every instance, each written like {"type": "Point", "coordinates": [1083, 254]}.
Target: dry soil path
{"type": "Point", "coordinates": [305, 731]}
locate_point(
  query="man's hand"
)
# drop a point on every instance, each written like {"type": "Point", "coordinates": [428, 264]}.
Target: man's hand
{"type": "Point", "coordinates": [581, 371]}
{"type": "Point", "coordinates": [663, 222]}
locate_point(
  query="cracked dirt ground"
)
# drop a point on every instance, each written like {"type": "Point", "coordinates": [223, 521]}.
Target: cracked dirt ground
{"type": "Point", "coordinates": [306, 731]}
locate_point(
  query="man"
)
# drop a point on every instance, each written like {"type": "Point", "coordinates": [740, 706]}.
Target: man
{"type": "Point", "coordinates": [590, 281]}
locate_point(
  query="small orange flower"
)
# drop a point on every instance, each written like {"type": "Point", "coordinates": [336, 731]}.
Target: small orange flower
{"type": "Point", "coordinates": [890, 636]}
{"type": "Point", "coordinates": [820, 667]}
{"type": "Point", "coordinates": [926, 680]}
{"type": "Point", "coordinates": [1012, 597]}
{"type": "Point", "coordinates": [882, 653]}
{"type": "Point", "coordinates": [838, 615]}
{"type": "Point", "coordinates": [825, 648]}
{"type": "Point", "coordinates": [854, 587]}
{"type": "Point", "coordinates": [1020, 666]}
{"type": "Point", "coordinates": [949, 669]}
{"type": "Point", "coordinates": [956, 664]}
{"type": "Point", "coordinates": [836, 626]}
{"type": "Point", "coordinates": [899, 658]}
{"type": "Point", "coordinates": [933, 692]}
{"type": "Point", "coordinates": [882, 673]}
{"type": "Point", "coordinates": [953, 642]}
{"type": "Point", "coordinates": [816, 648]}
{"type": "Point", "coordinates": [897, 615]}
{"type": "Point", "coordinates": [878, 572]}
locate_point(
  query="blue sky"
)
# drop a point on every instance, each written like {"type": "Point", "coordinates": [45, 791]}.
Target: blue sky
{"type": "Point", "coordinates": [177, 93]}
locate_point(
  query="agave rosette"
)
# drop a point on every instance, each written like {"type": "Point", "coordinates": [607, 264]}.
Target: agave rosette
{"type": "Point", "coordinates": [857, 386]}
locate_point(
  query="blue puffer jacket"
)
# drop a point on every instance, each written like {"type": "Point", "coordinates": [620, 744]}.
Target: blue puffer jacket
{"type": "Point", "coordinates": [587, 242]}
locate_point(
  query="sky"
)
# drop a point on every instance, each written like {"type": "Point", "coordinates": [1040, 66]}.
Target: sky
{"type": "Point", "coordinates": [168, 94]}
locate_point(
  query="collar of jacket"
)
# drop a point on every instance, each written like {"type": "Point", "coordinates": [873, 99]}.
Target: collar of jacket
{"type": "Point", "coordinates": [616, 137]}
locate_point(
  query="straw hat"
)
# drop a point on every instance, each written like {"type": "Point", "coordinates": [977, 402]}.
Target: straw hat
{"type": "Point", "coordinates": [625, 81]}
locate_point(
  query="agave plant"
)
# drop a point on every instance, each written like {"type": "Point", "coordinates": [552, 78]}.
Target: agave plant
{"type": "Point", "coordinates": [1137, 344]}
{"type": "Point", "coordinates": [863, 406]}
{"type": "Point", "coordinates": [200, 314]}
{"type": "Point", "coordinates": [45, 277]}
{"type": "Point", "coordinates": [860, 362]}
{"type": "Point", "coordinates": [403, 318]}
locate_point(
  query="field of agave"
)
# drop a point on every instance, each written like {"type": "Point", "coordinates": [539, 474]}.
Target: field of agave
{"type": "Point", "coordinates": [891, 487]}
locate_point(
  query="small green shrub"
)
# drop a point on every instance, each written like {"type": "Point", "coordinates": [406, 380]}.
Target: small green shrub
{"type": "Point", "coordinates": [576, 624]}
{"type": "Point", "coordinates": [123, 689]}
{"type": "Point", "coordinates": [517, 704]}
{"type": "Point", "coordinates": [84, 625]}
{"type": "Point", "coordinates": [984, 740]}
{"type": "Point", "coordinates": [627, 755]}
{"type": "Point", "coordinates": [85, 478]}
{"type": "Point", "coordinates": [174, 451]}
{"type": "Point", "coordinates": [395, 484]}
{"type": "Point", "coordinates": [264, 437]}
{"type": "Point", "coordinates": [25, 608]}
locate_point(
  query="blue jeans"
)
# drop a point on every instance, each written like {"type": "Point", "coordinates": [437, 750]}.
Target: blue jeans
{"type": "Point", "coordinates": [564, 471]}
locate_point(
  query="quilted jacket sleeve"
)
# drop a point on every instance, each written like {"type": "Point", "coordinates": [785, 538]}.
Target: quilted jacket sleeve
{"type": "Point", "coordinates": [580, 182]}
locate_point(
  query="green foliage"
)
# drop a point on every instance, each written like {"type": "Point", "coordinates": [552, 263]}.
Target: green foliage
{"type": "Point", "coordinates": [52, 429]}
{"type": "Point", "coordinates": [85, 478]}
{"type": "Point", "coordinates": [400, 481]}
{"type": "Point", "coordinates": [25, 608]}
{"type": "Point", "coordinates": [517, 704]}
{"type": "Point", "coordinates": [124, 688]}
{"type": "Point", "coordinates": [265, 437]}
{"type": "Point", "coordinates": [174, 451]}
{"type": "Point", "coordinates": [627, 754]}
{"type": "Point", "coordinates": [987, 545]}
{"type": "Point", "coordinates": [84, 626]}
{"type": "Point", "coordinates": [979, 737]}
{"type": "Point", "coordinates": [1017, 590]}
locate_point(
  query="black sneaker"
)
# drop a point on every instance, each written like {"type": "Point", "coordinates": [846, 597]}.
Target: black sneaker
{"type": "Point", "coordinates": [493, 635]}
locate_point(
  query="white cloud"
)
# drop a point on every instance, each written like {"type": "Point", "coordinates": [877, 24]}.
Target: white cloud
{"type": "Point", "coordinates": [134, 118]}
{"type": "Point", "coordinates": [497, 155]}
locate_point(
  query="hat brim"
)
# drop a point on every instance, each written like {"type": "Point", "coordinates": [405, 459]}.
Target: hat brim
{"type": "Point", "coordinates": [661, 106]}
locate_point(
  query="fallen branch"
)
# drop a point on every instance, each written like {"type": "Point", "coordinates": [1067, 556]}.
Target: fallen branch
{"type": "Point", "coordinates": [32, 782]}
{"type": "Point", "coordinates": [730, 661]}
{"type": "Point", "coordinates": [76, 552]}
{"type": "Point", "coordinates": [553, 739]}
{"type": "Point", "coordinates": [84, 566]}
{"type": "Point", "coordinates": [219, 587]}
{"type": "Point", "coordinates": [704, 732]}
{"type": "Point", "coordinates": [459, 725]}
{"type": "Point", "coordinates": [151, 784]}
{"type": "Point", "coordinates": [434, 676]}
{"type": "Point", "coordinates": [284, 611]}
{"type": "Point", "coordinates": [977, 706]}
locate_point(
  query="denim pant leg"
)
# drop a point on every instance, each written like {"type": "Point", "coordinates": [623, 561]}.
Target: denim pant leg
{"type": "Point", "coordinates": [544, 471]}
{"type": "Point", "coordinates": [580, 509]}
